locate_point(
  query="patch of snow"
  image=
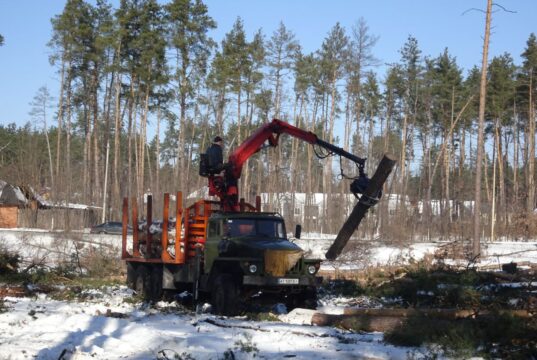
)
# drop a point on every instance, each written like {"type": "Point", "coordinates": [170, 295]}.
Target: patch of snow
{"type": "Point", "coordinates": [513, 285]}
{"type": "Point", "coordinates": [494, 253]}
{"type": "Point", "coordinates": [424, 293]}
{"type": "Point", "coordinates": [336, 304]}
{"type": "Point", "coordinates": [51, 248]}
{"type": "Point", "coordinates": [106, 327]}
{"type": "Point", "coordinates": [298, 316]}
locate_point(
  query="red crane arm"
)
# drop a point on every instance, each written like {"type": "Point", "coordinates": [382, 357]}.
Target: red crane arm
{"type": "Point", "coordinates": [256, 142]}
{"type": "Point", "coordinates": [226, 188]}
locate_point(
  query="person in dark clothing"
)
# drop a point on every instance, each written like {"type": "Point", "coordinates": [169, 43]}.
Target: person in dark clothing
{"type": "Point", "coordinates": [215, 156]}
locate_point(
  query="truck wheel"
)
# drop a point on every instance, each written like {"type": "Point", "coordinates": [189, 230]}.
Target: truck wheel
{"type": "Point", "coordinates": [310, 300]}
{"type": "Point", "coordinates": [143, 282]}
{"type": "Point", "coordinates": [131, 276]}
{"type": "Point", "coordinates": [225, 295]}
{"type": "Point", "coordinates": [156, 284]}
{"type": "Point", "coordinates": [305, 300]}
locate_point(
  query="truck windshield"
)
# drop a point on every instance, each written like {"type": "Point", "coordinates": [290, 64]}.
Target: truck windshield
{"type": "Point", "coordinates": [256, 227]}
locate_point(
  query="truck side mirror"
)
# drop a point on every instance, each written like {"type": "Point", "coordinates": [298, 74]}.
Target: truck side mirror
{"type": "Point", "coordinates": [298, 231]}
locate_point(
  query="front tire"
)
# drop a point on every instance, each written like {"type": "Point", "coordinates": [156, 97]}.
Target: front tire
{"type": "Point", "coordinates": [225, 295]}
{"type": "Point", "coordinates": [306, 299]}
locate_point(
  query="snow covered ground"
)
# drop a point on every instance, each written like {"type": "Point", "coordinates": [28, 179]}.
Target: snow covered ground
{"type": "Point", "coordinates": [494, 253]}
{"type": "Point", "coordinates": [104, 326]}
{"type": "Point", "coordinates": [51, 247]}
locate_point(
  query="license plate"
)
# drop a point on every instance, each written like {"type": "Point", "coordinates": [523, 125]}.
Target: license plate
{"type": "Point", "coordinates": [287, 281]}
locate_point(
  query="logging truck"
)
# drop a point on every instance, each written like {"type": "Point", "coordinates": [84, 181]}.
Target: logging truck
{"type": "Point", "coordinates": [229, 250]}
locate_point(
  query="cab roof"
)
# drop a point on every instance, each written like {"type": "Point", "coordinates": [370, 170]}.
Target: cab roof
{"type": "Point", "coordinates": [247, 215]}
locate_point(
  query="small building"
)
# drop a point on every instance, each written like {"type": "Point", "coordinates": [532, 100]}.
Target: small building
{"type": "Point", "coordinates": [11, 200]}
{"type": "Point", "coordinates": [21, 206]}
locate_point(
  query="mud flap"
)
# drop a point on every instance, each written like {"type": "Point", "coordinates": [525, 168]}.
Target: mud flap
{"type": "Point", "coordinates": [360, 209]}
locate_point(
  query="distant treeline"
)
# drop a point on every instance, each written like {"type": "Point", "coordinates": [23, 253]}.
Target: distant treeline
{"type": "Point", "coordinates": [150, 68]}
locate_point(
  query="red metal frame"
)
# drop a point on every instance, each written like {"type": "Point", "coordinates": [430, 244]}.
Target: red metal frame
{"type": "Point", "coordinates": [194, 218]}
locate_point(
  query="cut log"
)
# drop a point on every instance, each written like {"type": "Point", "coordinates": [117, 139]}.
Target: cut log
{"type": "Point", "coordinates": [388, 319]}
{"type": "Point", "coordinates": [436, 313]}
{"type": "Point", "coordinates": [358, 322]}
{"type": "Point", "coordinates": [360, 209]}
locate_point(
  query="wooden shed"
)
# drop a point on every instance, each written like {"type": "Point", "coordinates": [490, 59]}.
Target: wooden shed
{"type": "Point", "coordinates": [9, 215]}
{"type": "Point", "coordinates": [11, 199]}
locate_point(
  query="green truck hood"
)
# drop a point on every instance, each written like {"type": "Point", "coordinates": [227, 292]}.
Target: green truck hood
{"type": "Point", "coordinates": [270, 244]}
{"type": "Point", "coordinates": [256, 247]}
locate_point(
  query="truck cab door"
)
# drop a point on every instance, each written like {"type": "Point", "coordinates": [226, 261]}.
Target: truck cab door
{"type": "Point", "coordinates": [214, 236]}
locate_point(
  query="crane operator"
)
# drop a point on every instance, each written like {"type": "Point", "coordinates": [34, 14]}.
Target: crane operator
{"type": "Point", "coordinates": [215, 156]}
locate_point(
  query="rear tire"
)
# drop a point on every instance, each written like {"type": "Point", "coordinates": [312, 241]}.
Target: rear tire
{"type": "Point", "coordinates": [225, 295]}
{"type": "Point", "coordinates": [156, 284]}
{"type": "Point", "coordinates": [142, 284]}
{"type": "Point", "coordinates": [131, 276]}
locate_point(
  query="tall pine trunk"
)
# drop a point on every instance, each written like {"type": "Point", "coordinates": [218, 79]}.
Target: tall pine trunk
{"type": "Point", "coordinates": [531, 149]}
{"type": "Point", "coordinates": [476, 246]}
{"type": "Point", "coordinates": [60, 124]}
{"type": "Point", "coordinates": [157, 155]}
{"type": "Point", "coordinates": [129, 140]}
{"type": "Point", "coordinates": [515, 160]}
{"type": "Point", "coordinates": [95, 137]}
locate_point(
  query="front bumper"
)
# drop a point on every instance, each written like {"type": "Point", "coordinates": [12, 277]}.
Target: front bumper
{"type": "Point", "coordinates": [290, 281]}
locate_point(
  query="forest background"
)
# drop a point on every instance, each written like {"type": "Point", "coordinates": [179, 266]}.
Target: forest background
{"type": "Point", "coordinates": [141, 87]}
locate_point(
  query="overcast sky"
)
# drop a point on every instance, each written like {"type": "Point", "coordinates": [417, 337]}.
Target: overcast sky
{"type": "Point", "coordinates": [25, 25]}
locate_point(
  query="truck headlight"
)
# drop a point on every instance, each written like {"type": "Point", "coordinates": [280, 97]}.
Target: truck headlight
{"type": "Point", "coordinates": [252, 268]}
{"type": "Point", "coordinates": [312, 269]}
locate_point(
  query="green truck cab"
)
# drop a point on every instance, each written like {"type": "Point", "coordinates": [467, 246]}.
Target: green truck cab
{"type": "Point", "coordinates": [228, 258]}
{"type": "Point", "coordinates": [248, 253]}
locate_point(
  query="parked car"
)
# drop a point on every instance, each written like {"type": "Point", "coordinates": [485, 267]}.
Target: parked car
{"type": "Point", "coordinates": [110, 227]}
{"type": "Point", "coordinates": [156, 226]}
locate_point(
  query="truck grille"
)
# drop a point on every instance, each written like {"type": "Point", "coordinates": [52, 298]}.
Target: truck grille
{"type": "Point", "coordinates": [297, 269]}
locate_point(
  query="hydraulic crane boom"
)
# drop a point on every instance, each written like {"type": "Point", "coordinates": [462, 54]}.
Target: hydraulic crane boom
{"type": "Point", "coordinates": [226, 186]}
{"type": "Point", "coordinates": [272, 132]}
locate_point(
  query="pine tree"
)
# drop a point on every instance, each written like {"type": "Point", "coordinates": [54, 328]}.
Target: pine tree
{"type": "Point", "coordinates": [360, 59]}
{"type": "Point", "coordinates": [411, 72]}
{"type": "Point", "coordinates": [41, 104]}
{"type": "Point", "coordinates": [188, 24]}
{"type": "Point", "coordinates": [307, 77]}
{"type": "Point", "coordinates": [371, 98]}
{"type": "Point", "coordinates": [333, 54]}
{"type": "Point", "coordinates": [281, 51]}
{"type": "Point", "coordinates": [143, 61]}
{"type": "Point", "coordinates": [446, 92]}
{"type": "Point", "coordinates": [476, 246]}
{"type": "Point", "coordinates": [500, 96]}
{"type": "Point", "coordinates": [64, 44]}
{"type": "Point", "coordinates": [529, 68]}
{"type": "Point", "coordinates": [253, 80]}
{"type": "Point", "coordinates": [235, 49]}
{"type": "Point", "coordinates": [217, 83]}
